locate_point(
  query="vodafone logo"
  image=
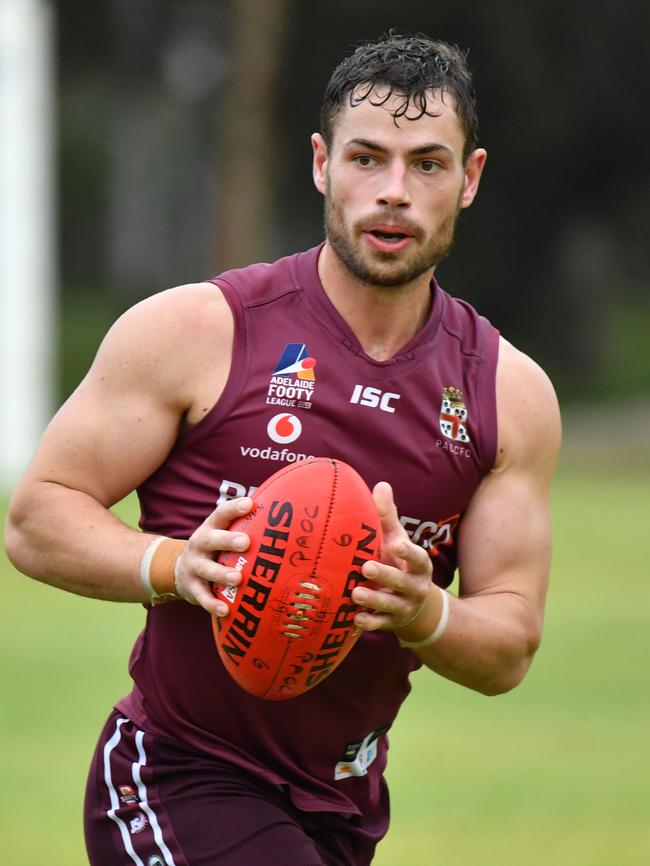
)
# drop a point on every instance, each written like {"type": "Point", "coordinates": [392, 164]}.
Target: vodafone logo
{"type": "Point", "coordinates": [284, 428]}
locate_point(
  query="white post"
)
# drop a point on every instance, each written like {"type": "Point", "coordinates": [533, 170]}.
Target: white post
{"type": "Point", "coordinates": [27, 257]}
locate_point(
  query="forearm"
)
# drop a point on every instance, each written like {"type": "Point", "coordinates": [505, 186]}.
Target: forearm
{"type": "Point", "coordinates": [67, 539]}
{"type": "Point", "coordinates": [488, 644]}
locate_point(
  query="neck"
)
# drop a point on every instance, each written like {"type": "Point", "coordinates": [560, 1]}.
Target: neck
{"type": "Point", "coordinates": [383, 318]}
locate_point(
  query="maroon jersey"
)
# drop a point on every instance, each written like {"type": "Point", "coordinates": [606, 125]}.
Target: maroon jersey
{"type": "Point", "coordinates": [300, 384]}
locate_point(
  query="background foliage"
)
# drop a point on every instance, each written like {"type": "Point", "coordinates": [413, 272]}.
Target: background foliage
{"type": "Point", "coordinates": [184, 149]}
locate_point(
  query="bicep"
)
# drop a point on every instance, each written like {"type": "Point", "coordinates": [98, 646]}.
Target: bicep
{"type": "Point", "coordinates": [104, 445]}
{"type": "Point", "coordinates": [505, 540]}
{"type": "Point", "coordinates": [116, 428]}
{"type": "Point", "coordinates": [505, 535]}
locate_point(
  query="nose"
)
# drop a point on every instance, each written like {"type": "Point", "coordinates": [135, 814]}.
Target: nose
{"type": "Point", "coordinates": [393, 189]}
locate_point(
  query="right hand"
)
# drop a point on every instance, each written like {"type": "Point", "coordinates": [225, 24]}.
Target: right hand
{"type": "Point", "coordinates": [198, 568]}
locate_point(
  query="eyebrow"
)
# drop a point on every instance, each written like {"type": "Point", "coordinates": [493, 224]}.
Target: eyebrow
{"type": "Point", "coordinates": [433, 147]}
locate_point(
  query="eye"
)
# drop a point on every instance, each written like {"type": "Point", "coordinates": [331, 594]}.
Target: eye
{"type": "Point", "coordinates": [428, 166]}
{"type": "Point", "coordinates": [364, 160]}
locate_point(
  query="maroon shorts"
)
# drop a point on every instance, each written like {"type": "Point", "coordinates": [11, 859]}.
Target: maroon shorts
{"type": "Point", "coordinates": [151, 803]}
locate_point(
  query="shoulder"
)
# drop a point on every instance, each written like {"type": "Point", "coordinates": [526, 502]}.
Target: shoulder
{"type": "Point", "coordinates": [262, 282]}
{"type": "Point", "coordinates": [528, 414]}
{"type": "Point", "coordinates": [178, 312]}
{"type": "Point", "coordinates": [164, 341]}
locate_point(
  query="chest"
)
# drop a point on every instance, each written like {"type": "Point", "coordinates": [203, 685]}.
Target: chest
{"type": "Point", "coordinates": [423, 421]}
{"type": "Point", "coordinates": [415, 423]}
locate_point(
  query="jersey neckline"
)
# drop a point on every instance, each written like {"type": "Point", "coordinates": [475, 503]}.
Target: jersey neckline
{"type": "Point", "coordinates": [305, 267]}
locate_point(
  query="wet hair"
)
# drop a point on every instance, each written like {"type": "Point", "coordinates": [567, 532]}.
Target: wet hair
{"type": "Point", "coordinates": [411, 66]}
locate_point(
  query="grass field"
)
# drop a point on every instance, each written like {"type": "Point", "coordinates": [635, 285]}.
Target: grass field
{"type": "Point", "coordinates": [556, 773]}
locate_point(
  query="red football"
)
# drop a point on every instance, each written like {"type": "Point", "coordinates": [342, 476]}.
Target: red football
{"type": "Point", "coordinates": [312, 527]}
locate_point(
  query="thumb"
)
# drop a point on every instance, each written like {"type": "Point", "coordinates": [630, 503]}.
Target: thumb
{"type": "Point", "coordinates": [390, 523]}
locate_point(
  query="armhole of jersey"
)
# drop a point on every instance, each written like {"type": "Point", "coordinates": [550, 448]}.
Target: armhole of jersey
{"type": "Point", "coordinates": [488, 398]}
{"type": "Point", "coordinates": [239, 363]}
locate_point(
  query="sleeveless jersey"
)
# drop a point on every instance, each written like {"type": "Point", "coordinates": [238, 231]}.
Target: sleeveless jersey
{"type": "Point", "coordinates": [300, 384]}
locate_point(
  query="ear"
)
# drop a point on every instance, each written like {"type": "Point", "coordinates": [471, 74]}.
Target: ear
{"type": "Point", "coordinates": [319, 168]}
{"type": "Point", "coordinates": [473, 171]}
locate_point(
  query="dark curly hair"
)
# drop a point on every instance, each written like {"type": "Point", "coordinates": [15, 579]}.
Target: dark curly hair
{"type": "Point", "coordinates": [410, 66]}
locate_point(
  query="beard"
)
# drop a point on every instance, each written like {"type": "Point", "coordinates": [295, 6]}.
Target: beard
{"type": "Point", "coordinates": [387, 270]}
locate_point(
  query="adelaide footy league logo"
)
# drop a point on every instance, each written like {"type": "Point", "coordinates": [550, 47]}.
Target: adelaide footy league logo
{"type": "Point", "coordinates": [293, 379]}
{"type": "Point", "coordinates": [453, 415]}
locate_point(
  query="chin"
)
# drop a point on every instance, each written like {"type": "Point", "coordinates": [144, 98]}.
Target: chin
{"type": "Point", "coordinates": [390, 275]}
{"type": "Point", "coordinates": [386, 280]}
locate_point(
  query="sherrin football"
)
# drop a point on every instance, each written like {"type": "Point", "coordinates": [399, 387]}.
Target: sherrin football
{"type": "Point", "coordinates": [312, 527]}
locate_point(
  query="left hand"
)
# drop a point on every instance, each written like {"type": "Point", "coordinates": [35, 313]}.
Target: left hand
{"type": "Point", "coordinates": [403, 579]}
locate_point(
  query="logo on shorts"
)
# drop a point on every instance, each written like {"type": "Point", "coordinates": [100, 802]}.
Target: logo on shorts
{"type": "Point", "coordinates": [359, 756]}
{"type": "Point", "coordinates": [138, 824]}
{"type": "Point", "coordinates": [127, 795]}
{"type": "Point", "coordinates": [284, 428]}
{"type": "Point", "coordinates": [155, 860]}
{"type": "Point", "coordinates": [453, 415]}
{"type": "Point", "coordinates": [293, 379]}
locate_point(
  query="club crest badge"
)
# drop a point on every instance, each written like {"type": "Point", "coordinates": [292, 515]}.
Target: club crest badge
{"type": "Point", "coordinates": [453, 415]}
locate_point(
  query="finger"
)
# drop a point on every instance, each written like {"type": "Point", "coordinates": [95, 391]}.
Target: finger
{"type": "Point", "coordinates": [392, 590]}
{"type": "Point", "coordinates": [224, 514]}
{"type": "Point", "coordinates": [378, 600]}
{"type": "Point", "coordinates": [367, 620]}
{"type": "Point", "coordinates": [213, 540]}
{"type": "Point", "coordinates": [213, 572]}
{"type": "Point", "coordinates": [383, 609]}
{"type": "Point", "coordinates": [401, 579]}
{"type": "Point", "coordinates": [383, 495]}
{"type": "Point", "coordinates": [200, 593]}
{"type": "Point", "coordinates": [380, 574]}
{"type": "Point", "coordinates": [391, 527]}
{"type": "Point", "coordinates": [412, 557]}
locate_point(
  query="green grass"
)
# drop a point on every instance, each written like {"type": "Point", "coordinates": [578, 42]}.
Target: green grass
{"type": "Point", "coordinates": [555, 773]}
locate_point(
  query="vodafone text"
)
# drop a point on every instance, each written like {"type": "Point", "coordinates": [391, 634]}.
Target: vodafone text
{"type": "Point", "coordinates": [268, 453]}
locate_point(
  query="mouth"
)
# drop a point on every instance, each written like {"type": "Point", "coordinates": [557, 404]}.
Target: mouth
{"type": "Point", "coordinates": [388, 237]}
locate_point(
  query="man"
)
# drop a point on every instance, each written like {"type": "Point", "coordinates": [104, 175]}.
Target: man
{"type": "Point", "coordinates": [349, 350]}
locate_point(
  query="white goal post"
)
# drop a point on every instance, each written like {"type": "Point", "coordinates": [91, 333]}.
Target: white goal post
{"type": "Point", "coordinates": [27, 244]}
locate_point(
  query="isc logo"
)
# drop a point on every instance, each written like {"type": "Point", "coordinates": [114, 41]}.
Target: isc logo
{"type": "Point", "coordinates": [374, 398]}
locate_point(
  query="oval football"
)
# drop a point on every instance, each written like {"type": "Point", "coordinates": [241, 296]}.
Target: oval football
{"type": "Point", "coordinates": [290, 624]}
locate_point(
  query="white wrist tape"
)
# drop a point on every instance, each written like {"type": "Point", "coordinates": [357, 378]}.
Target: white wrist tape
{"type": "Point", "coordinates": [438, 631]}
{"type": "Point", "coordinates": [145, 566]}
{"type": "Point", "coordinates": [159, 569]}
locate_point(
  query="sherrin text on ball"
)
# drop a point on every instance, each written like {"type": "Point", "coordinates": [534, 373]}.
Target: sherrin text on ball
{"type": "Point", "coordinates": [291, 623]}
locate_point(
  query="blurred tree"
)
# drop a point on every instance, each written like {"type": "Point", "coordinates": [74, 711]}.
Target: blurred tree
{"type": "Point", "coordinates": [185, 149]}
{"type": "Point", "coordinates": [248, 153]}
{"type": "Point", "coordinates": [168, 66]}
{"type": "Point", "coordinates": [555, 240]}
